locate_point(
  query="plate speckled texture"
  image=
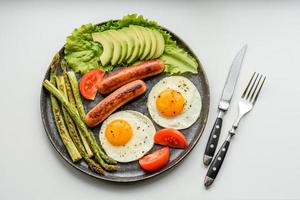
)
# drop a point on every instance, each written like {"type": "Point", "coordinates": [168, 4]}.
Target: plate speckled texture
{"type": "Point", "coordinates": [131, 172]}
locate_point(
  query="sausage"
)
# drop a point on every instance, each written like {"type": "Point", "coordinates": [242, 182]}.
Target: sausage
{"type": "Point", "coordinates": [113, 101]}
{"type": "Point", "coordinates": [128, 74]}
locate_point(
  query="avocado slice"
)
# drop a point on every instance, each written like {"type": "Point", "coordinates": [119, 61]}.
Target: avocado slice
{"type": "Point", "coordinates": [117, 52]}
{"type": "Point", "coordinates": [153, 44]}
{"type": "Point", "coordinates": [128, 39]}
{"type": "Point", "coordinates": [123, 40]}
{"type": "Point", "coordinates": [135, 53]}
{"type": "Point", "coordinates": [147, 43]}
{"type": "Point", "coordinates": [140, 35]}
{"type": "Point", "coordinates": [160, 44]}
{"type": "Point", "coordinates": [107, 45]}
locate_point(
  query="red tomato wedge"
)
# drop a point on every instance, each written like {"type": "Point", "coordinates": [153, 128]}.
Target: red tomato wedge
{"type": "Point", "coordinates": [170, 137]}
{"type": "Point", "coordinates": [155, 160]}
{"type": "Point", "coordinates": [88, 83]}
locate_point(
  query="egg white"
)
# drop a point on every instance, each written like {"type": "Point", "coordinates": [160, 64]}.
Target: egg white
{"type": "Point", "coordinates": [141, 142]}
{"type": "Point", "coordinates": [192, 107]}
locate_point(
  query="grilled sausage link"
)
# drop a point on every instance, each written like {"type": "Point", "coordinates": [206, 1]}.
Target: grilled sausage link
{"type": "Point", "coordinates": [113, 101]}
{"type": "Point", "coordinates": [128, 74]}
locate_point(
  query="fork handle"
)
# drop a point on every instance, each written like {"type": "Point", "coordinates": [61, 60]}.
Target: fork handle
{"type": "Point", "coordinates": [214, 168]}
{"type": "Point", "coordinates": [213, 140]}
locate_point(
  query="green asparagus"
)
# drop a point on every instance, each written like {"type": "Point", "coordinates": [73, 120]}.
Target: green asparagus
{"type": "Point", "coordinates": [71, 99]}
{"type": "Point", "coordinates": [62, 130]}
{"type": "Point", "coordinates": [73, 131]}
{"type": "Point", "coordinates": [76, 118]}
{"type": "Point", "coordinates": [74, 85]}
{"type": "Point", "coordinates": [75, 89]}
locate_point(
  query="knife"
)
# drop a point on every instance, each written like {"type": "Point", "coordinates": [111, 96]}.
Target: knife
{"type": "Point", "coordinates": [224, 103]}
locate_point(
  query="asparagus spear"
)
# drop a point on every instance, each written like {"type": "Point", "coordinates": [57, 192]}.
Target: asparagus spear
{"type": "Point", "coordinates": [76, 118]}
{"type": "Point", "coordinates": [74, 85]}
{"type": "Point", "coordinates": [62, 130]}
{"type": "Point", "coordinates": [71, 99]}
{"type": "Point", "coordinates": [73, 131]}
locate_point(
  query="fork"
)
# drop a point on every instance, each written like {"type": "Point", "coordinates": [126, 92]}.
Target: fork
{"type": "Point", "coordinates": [246, 104]}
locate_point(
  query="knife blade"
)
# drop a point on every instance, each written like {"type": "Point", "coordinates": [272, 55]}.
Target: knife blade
{"type": "Point", "coordinates": [232, 78]}
{"type": "Point", "coordinates": [223, 106]}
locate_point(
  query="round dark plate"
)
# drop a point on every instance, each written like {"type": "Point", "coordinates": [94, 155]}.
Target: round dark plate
{"type": "Point", "coordinates": [131, 172]}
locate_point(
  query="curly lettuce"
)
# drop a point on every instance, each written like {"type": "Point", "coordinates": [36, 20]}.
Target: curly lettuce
{"type": "Point", "coordinates": [178, 61]}
{"type": "Point", "coordinates": [83, 54]}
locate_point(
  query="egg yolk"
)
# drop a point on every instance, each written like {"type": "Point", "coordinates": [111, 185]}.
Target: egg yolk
{"type": "Point", "coordinates": [170, 103]}
{"type": "Point", "coordinates": [118, 132]}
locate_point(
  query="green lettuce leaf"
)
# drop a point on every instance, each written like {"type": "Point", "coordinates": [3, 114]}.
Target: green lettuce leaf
{"type": "Point", "coordinates": [178, 61]}
{"type": "Point", "coordinates": [81, 52]}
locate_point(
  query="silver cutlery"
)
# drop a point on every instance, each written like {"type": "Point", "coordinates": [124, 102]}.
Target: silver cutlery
{"type": "Point", "coordinates": [224, 103]}
{"type": "Point", "coordinates": [246, 104]}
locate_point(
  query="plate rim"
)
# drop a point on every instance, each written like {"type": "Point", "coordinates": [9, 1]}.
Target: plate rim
{"type": "Point", "coordinates": [168, 168]}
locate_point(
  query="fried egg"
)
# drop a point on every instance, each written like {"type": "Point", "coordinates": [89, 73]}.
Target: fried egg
{"type": "Point", "coordinates": [174, 102]}
{"type": "Point", "coordinates": [127, 135]}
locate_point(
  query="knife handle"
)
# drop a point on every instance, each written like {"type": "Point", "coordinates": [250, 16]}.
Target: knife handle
{"type": "Point", "coordinates": [216, 164]}
{"type": "Point", "coordinates": [213, 140]}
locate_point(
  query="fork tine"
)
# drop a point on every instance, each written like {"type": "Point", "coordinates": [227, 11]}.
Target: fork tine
{"type": "Point", "coordinates": [245, 91]}
{"type": "Point", "coordinates": [256, 86]}
{"type": "Point", "coordinates": [252, 86]}
{"type": "Point", "coordinates": [255, 98]}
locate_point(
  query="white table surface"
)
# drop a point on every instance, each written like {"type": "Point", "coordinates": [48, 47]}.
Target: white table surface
{"type": "Point", "coordinates": [263, 161]}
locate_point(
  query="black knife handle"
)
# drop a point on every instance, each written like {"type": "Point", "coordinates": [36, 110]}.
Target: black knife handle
{"type": "Point", "coordinates": [217, 163]}
{"type": "Point", "coordinates": [213, 140]}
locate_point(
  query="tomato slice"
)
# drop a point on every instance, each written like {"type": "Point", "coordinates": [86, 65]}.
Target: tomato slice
{"type": "Point", "coordinates": [155, 160]}
{"type": "Point", "coordinates": [88, 83]}
{"type": "Point", "coordinates": [170, 137]}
